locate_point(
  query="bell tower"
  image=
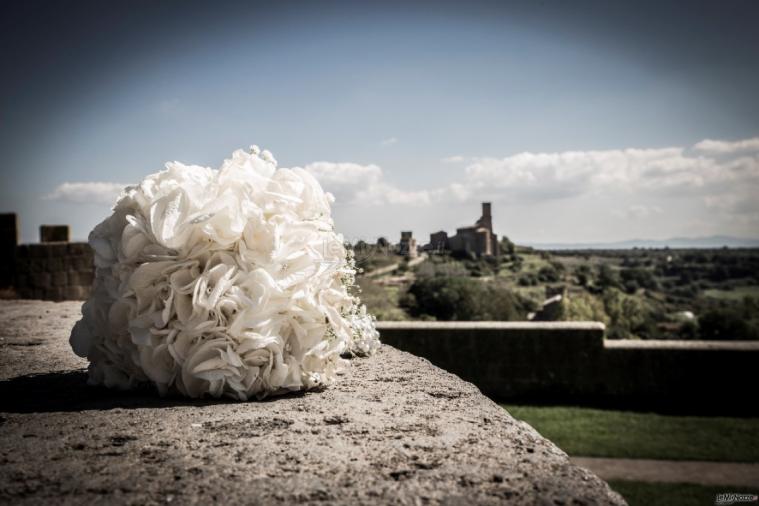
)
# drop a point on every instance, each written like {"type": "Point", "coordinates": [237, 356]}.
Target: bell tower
{"type": "Point", "coordinates": [486, 220]}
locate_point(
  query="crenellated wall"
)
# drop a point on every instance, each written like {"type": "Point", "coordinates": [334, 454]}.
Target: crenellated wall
{"type": "Point", "coordinates": [54, 271]}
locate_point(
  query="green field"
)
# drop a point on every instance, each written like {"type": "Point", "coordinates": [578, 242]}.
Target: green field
{"type": "Point", "coordinates": [606, 433]}
{"type": "Point", "coordinates": [620, 434]}
{"type": "Point", "coordinates": [737, 293]}
{"type": "Point", "coordinates": [672, 494]}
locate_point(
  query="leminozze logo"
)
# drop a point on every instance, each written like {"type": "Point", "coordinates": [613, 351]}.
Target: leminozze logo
{"type": "Point", "coordinates": [732, 498]}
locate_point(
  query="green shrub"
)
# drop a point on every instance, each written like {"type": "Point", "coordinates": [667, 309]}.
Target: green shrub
{"type": "Point", "coordinates": [462, 298]}
{"type": "Point", "coordinates": [727, 324]}
{"type": "Point", "coordinates": [548, 274]}
{"type": "Point", "coordinates": [629, 316]}
{"type": "Point", "coordinates": [585, 307]}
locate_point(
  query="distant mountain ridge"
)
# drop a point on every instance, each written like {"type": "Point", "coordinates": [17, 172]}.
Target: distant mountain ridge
{"type": "Point", "coordinates": [714, 241]}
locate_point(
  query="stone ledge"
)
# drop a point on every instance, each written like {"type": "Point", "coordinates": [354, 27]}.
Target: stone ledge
{"type": "Point", "coordinates": [535, 326]}
{"type": "Point", "coordinates": [660, 344]}
{"type": "Point", "coordinates": [395, 429]}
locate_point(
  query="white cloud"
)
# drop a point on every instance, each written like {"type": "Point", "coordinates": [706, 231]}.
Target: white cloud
{"type": "Point", "coordinates": [656, 174]}
{"type": "Point", "coordinates": [357, 184]}
{"type": "Point", "coordinates": [631, 184]}
{"type": "Point", "coordinates": [638, 211]}
{"type": "Point", "coordinates": [727, 147]}
{"type": "Point", "coordinates": [389, 141]}
{"type": "Point", "coordinates": [529, 176]}
{"type": "Point", "coordinates": [453, 159]}
{"type": "Point", "coordinates": [89, 192]}
{"type": "Point", "coordinates": [554, 175]}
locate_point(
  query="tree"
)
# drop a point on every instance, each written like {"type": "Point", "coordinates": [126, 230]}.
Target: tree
{"type": "Point", "coordinates": [462, 298]}
{"type": "Point", "coordinates": [506, 246]}
{"type": "Point", "coordinates": [585, 307]}
{"type": "Point", "coordinates": [583, 274]}
{"type": "Point", "coordinates": [726, 324]}
{"type": "Point", "coordinates": [607, 277]}
{"type": "Point", "coordinates": [548, 274]}
{"type": "Point", "coordinates": [638, 277]}
{"type": "Point", "coordinates": [628, 314]}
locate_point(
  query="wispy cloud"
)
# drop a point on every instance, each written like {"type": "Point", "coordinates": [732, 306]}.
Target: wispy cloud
{"type": "Point", "coordinates": [353, 183]}
{"type": "Point", "coordinates": [725, 179]}
{"type": "Point", "coordinates": [665, 172]}
{"type": "Point", "coordinates": [88, 192]}
{"type": "Point", "coordinates": [453, 159]}
{"type": "Point", "coordinates": [719, 176]}
{"type": "Point", "coordinates": [726, 147]}
{"type": "Point", "coordinates": [638, 211]}
{"type": "Point", "coordinates": [389, 141]}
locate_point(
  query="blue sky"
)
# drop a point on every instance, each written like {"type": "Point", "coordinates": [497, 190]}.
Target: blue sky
{"type": "Point", "coordinates": [581, 122]}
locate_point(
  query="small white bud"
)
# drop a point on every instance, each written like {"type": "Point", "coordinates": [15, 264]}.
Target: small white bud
{"type": "Point", "coordinates": [266, 155]}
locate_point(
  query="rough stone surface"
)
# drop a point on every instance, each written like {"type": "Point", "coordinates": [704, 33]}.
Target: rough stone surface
{"type": "Point", "coordinates": [394, 430]}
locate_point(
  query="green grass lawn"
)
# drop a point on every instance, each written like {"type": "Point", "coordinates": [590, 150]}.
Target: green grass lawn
{"type": "Point", "coordinates": [737, 293]}
{"type": "Point", "coordinates": [618, 434]}
{"type": "Point", "coordinates": [672, 494]}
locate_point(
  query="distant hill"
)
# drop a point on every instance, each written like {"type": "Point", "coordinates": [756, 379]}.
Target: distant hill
{"type": "Point", "coordinates": [715, 241]}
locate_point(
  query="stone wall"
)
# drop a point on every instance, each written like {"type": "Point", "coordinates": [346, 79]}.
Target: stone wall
{"type": "Point", "coordinates": [55, 233]}
{"type": "Point", "coordinates": [54, 271]}
{"type": "Point", "coordinates": [8, 242]}
{"type": "Point", "coordinates": [570, 362]}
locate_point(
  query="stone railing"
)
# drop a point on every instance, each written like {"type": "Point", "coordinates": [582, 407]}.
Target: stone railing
{"type": "Point", "coordinates": [392, 430]}
{"type": "Point", "coordinates": [571, 362]}
{"type": "Point", "coordinates": [54, 271]}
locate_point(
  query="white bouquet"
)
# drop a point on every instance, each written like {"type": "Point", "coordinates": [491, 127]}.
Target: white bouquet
{"type": "Point", "coordinates": [223, 282]}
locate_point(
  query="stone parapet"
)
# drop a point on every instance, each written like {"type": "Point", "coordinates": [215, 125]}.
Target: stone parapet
{"type": "Point", "coordinates": [571, 362]}
{"type": "Point", "coordinates": [393, 430]}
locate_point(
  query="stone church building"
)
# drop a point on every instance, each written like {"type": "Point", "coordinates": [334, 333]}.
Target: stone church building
{"type": "Point", "coordinates": [478, 239]}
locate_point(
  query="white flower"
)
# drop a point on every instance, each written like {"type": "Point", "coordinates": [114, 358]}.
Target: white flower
{"type": "Point", "coordinates": [222, 282]}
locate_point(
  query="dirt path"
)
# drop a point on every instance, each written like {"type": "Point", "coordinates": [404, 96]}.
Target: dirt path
{"type": "Point", "coordinates": [673, 471]}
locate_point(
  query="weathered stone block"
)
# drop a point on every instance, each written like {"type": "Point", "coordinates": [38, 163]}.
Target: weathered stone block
{"type": "Point", "coordinates": [56, 250]}
{"type": "Point", "coordinates": [38, 250]}
{"type": "Point", "coordinates": [79, 248]}
{"type": "Point", "coordinates": [55, 264]}
{"type": "Point", "coordinates": [81, 278]}
{"type": "Point", "coordinates": [22, 280]}
{"type": "Point", "coordinates": [54, 233]}
{"type": "Point", "coordinates": [82, 263]}
{"type": "Point", "coordinates": [8, 242]}
{"type": "Point", "coordinates": [59, 279]}
{"type": "Point", "coordinates": [36, 265]}
{"type": "Point", "coordinates": [76, 293]}
{"type": "Point", "coordinates": [55, 293]}
{"type": "Point", "coordinates": [22, 264]}
{"type": "Point", "coordinates": [41, 279]}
